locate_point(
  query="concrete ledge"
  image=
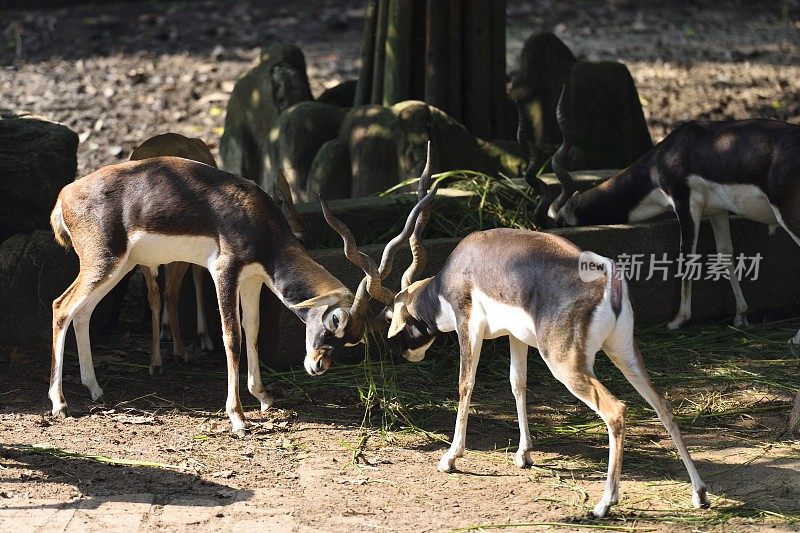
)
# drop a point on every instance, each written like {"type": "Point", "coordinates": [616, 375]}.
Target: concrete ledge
{"type": "Point", "coordinates": [775, 293]}
{"type": "Point", "coordinates": [372, 217]}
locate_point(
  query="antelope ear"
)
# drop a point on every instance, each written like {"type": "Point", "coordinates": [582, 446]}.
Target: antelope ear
{"type": "Point", "coordinates": [567, 212]}
{"type": "Point", "coordinates": [330, 298]}
{"type": "Point", "coordinates": [398, 318]}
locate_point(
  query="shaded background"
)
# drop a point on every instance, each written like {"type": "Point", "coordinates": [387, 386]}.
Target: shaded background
{"type": "Point", "coordinates": [118, 73]}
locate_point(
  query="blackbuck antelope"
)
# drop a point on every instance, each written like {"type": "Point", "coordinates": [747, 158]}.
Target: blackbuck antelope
{"type": "Point", "coordinates": [166, 209]}
{"type": "Point", "coordinates": [526, 286]}
{"type": "Point", "coordinates": [174, 144]}
{"type": "Point", "coordinates": [747, 167]}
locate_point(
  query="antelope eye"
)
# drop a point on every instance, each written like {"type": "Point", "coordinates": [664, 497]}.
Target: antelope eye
{"type": "Point", "coordinates": [335, 321]}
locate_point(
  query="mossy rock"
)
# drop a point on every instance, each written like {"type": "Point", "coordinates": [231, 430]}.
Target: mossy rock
{"type": "Point", "coordinates": [388, 145]}
{"type": "Point", "coordinates": [34, 271]}
{"type": "Point", "coordinates": [330, 176]}
{"type": "Point", "coordinates": [607, 119]}
{"type": "Point", "coordinates": [342, 95]}
{"type": "Point", "coordinates": [295, 139]}
{"type": "Point", "coordinates": [277, 82]}
{"type": "Point", "coordinates": [37, 159]}
{"type": "Point", "coordinates": [545, 65]}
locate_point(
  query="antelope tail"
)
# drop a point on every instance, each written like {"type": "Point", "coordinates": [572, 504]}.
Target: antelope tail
{"type": "Point", "coordinates": [59, 227]}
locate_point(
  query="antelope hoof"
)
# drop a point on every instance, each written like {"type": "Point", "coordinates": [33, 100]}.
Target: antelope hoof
{"type": "Point", "coordinates": [523, 459]}
{"type": "Point", "coordinates": [601, 509]}
{"type": "Point", "coordinates": [183, 355]}
{"type": "Point", "coordinates": [266, 402]}
{"type": "Point", "coordinates": [97, 394]}
{"type": "Point", "coordinates": [60, 411]}
{"type": "Point", "coordinates": [700, 499]}
{"type": "Point", "coordinates": [239, 423]}
{"type": "Point", "coordinates": [447, 463]}
{"type": "Point", "coordinates": [156, 369]}
{"type": "Point", "coordinates": [205, 343]}
{"type": "Point", "coordinates": [677, 322]}
{"type": "Point", "coordinates": [741, 320]}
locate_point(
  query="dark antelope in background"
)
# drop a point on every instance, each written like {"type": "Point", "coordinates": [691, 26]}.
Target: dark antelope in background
{"type": "Point", "coordinates": [747, 167]}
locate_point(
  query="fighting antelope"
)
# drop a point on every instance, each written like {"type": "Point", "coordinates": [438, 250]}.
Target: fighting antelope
{"type": "Point", "coordinates": [174, 144]}
{"type": "Point", "coordinates": [748, 167]}
{"type": "Point", "coordinates": [166, 209]}
{"type": "Point", "coordinates": [530, 291]}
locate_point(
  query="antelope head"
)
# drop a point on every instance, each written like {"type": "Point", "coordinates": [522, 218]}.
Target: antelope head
{"type": "Point", "coordinates": [372, 284]}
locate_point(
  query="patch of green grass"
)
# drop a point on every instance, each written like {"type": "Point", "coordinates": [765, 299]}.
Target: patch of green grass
{"type": "Point", "coordinates": [495, 202]}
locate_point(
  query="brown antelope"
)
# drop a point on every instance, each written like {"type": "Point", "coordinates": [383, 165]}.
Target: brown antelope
{"type": "Point", "coordinates": [747, 167]}
{"type": "Point", "coordinates": [526, 285]}
{"type": "Point", "coordinates": [166, 209]}
{"type": "Point", "coordinates": [174, 144]}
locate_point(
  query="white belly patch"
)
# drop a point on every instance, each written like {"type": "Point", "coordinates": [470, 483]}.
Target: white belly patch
{"type": "Point", "coordinates": [652, 205]}
{"type": "Point", "coordinates": [745, 200]}
{"type": "Point", "coordinates": [153, 249]}
{"type": "Point", "coordinates": [501, 319]}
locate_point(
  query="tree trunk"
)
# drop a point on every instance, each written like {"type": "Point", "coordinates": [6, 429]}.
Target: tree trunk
{"type": "Point", "coordinates": [498, 100]}
{"type": "Point", "coordinates": [454, 60]}
{"type": "Point", "coordinates": [478, 57]}
{"type": "Point", "coordinates": [397, 67]}
{"type": "Point", "coordinates": [364, 87]}
{"type": "Point", "coordinates": [436, 41]}
{"type": "Point", "coordinates": [381, 28]}
{"type": "Point", "coordinates": [451, 53]}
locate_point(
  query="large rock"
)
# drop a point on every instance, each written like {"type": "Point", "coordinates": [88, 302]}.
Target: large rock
{"type": "Point", "coordinates": [37, 158]}
{"type": "Point", "coordinates": [388, 145]}
{"type": "Point", "coordinates": [34, 271]}
{"type": "Point", "coordinates": [607, 119]}
{"type": "Point", "coordinates": [296, 137]}
{"type": "Point", "coordinates": [545, 64]}
{"type": "Point", "coordinates": [342, 95]}
{"type": "Point", "coordinates": [370, 133]}
{"type": "Point", "coordinates": [277, 82]}
{"type": "Point", "coordinates": [330, 175]}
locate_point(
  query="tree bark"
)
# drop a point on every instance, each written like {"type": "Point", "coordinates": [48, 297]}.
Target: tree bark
{"type": "Point", "coordinates": [397, 68]}
{"type": "Point", "coordinates": [364, 87]}
{"type": "Point", "coordinates": [380, 51]}
{"type": "Point", "coordinates": [498, 100]}
{"type": "Point", "coordinates": [477, 55]}
{"type": "Point", "coordinates": [454, 60]}
{"type": "Point", "coordinates": [436, 56]}
{"type": "Point", "coordinates": [449, 53]}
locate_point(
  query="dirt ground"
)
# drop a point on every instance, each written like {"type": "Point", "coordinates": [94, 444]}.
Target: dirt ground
{"type": "Point", "coordinates": [322, 460]}
{"type": "Point", "coordinates": [356, 449]}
